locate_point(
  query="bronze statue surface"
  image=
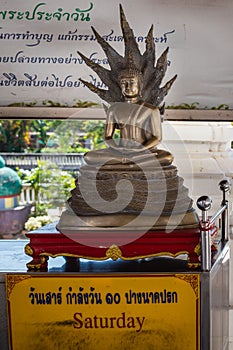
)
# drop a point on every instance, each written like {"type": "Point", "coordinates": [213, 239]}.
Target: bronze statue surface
{"type": "Point", "coordinates": [132, 177]}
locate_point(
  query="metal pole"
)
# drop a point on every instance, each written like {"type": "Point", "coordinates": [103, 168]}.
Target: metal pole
{"type": "Point", "coordinates": [225, 187]}
{"type": "Point", "coordinates": [204, 204]}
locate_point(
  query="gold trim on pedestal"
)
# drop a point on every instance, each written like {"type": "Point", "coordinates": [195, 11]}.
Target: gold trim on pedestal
{"type": "Point", "coordinates": [193, 265]}
{"type": "Point", "coordinates": [114, 252]}
{"type": "Point", "coordinates": [28, 250]}
{"type": "Point", "coordinates": [197, 249]}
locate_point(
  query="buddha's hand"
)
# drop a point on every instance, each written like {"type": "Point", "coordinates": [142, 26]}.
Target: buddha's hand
{"type": "Point", "coordinates": [129, 151]}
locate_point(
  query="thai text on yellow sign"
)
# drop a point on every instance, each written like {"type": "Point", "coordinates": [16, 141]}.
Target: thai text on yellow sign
{"type": "Point", "coordinates": [89, 312]}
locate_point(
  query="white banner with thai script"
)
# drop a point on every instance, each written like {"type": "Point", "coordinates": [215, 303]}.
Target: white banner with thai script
{"type": "Point", "coordinates": [40, 39]}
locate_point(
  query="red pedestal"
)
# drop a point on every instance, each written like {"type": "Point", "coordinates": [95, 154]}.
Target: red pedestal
{"type": "Point", "coordinates": [102, 245]}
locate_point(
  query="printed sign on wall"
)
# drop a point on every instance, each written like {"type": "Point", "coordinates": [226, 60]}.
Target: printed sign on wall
{"type": "Point", "coordinates": [39, 60]}
{"type": "Point", "coordinates": [88, 312]}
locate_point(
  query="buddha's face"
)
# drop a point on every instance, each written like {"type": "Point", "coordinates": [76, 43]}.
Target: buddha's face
{"type": "Point", "coordinates": [130, 87]}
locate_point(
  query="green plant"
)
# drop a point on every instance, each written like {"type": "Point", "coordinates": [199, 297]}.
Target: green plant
{"type": "Point", "coordinates": [41, 209]}
{"type": "Point", "coordinates": [71, 135]}
{"type": "Point", "coordinates": [222, 106]}
{"type": "Point", "coordinates": [14, 135]}
{"type": "Point", "coordinates": [51, 185]}
{"type": "Point", "coordinates": [55, 185]}
{"type": "Point", "coordinates": [77, 104]}
{"type": "Point", "coordinates": [184, 105]}
{"type": "Point", "coordinates": [195, 105]}
{"type": "Point", "coordinates": [95, 131]}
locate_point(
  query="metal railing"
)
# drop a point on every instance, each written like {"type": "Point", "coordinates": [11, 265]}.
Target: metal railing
{"type": "Point", "coordinates": [207, 224]}
{"type": "Point", "coordinates": [27, 161]}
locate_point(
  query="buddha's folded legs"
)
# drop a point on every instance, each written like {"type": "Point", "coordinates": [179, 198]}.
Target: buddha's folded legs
{"type": "Point", "coordinates": [110, 158]}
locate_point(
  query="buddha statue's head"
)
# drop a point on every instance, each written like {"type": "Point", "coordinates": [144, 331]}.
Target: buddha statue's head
{"type": "Point", "coordinates": [130, 81]}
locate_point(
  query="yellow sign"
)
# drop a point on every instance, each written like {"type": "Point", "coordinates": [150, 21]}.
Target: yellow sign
{"type": "Point", "coordinates": [90, 312]}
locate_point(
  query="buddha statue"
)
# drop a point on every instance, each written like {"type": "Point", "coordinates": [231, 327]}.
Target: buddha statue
{"type": "Point", "coordinates": [140, 129]}
{"type": "Point", "coordinates": [131, 183]}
